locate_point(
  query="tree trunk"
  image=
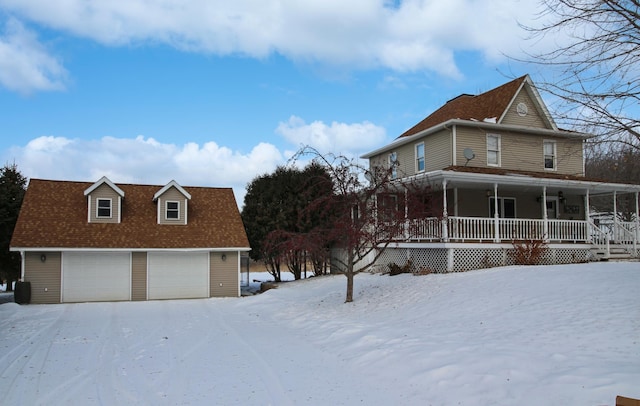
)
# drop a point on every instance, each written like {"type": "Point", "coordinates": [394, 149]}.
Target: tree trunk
{"type": "Point", "coordinates": [349, 275]}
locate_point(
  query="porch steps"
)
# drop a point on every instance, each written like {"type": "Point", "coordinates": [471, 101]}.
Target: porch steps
{"type": "Point", "coordinates": [615, 254]}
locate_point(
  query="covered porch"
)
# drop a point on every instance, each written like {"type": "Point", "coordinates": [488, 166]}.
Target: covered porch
{"type": "Point", "coordinates": [498, 207]}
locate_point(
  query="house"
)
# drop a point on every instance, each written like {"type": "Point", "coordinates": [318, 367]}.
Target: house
{"type": "Point", "coordinates": [103, 241]}
{"type": "Point", "coordinates": [504, 172]}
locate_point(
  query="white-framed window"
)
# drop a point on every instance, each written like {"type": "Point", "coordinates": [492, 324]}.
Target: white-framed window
{"type": "Point", "coordinates": [420, 157]}
{"type": "Point", "coordinates": [172, 211]}
{"type": "Point", "coordinates": [506, 207]}
{"type": "Point", "coordinates": [493, 150]}
{"type": "Point", "coordinates": [103, 208]}
{"type": "Point", "coordinates": [393, 164]}
{"type": "Point", "coordinates": [550, 156]}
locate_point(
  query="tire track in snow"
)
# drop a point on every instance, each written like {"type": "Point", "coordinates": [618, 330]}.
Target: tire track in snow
{"type": "Point", "coordinates": [267, 374]}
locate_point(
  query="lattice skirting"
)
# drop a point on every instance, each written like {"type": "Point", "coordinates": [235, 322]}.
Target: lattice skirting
{"type": "Point", "coordinates": [442, 260]}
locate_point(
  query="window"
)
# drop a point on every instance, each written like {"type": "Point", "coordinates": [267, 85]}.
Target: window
{"type": "Point", "coordinates": [393, 164]}
{"type": "Point", "coordinates": [493, 149]}
{"type": "Point", "coordinates": [387, 206]}
{"type": "Point", "coordinates": [103, 208]}
{"type": "Point", "coordinates": [549, 151]}
{"type": "Point", "coordinates": [173, 210]}
{"type": "Point", "coordinates": [506, 207]}
{"type": "Point", "coordinates": [420, 157]}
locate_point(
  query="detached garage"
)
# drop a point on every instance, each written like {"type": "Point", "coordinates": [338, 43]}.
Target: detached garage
{"type": "Point", "coordinates": [88, 242]}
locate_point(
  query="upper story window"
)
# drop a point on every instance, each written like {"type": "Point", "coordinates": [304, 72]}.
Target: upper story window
{"type": "Point", "coordinates": [103, 208]}
{"type": "Point", "coordinates": [393, 164]}
{"type": "Point", "coordinates": [420, 157]}
{"type": "Point", "coordinates": [173, 211]}
{"type": "Point", "coordinates": [550, 157]}
{"type": "Point", "coordinates": [493, 149]}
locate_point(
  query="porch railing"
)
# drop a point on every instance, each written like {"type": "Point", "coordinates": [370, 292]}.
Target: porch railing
{"type": "Point", "coordinates": [482, 229]}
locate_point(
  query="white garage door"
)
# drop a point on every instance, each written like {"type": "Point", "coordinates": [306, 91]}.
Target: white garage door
{"type": "Point", "coordinates": [178, 275]}
{"type": "Point", "coordinates": [94, 277]}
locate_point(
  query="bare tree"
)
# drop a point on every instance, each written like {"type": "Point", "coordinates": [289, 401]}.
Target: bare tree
{"type": "Point", "coordinates": [365, 213]}
{"type": "Point", "coordinates": [595, 64]}
{"type": "Point", "coordinates": [618, 164]}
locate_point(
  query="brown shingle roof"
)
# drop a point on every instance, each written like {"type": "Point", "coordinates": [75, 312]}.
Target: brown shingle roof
{"type": "Point", "coordinates": [54, 215]}
{"type": "Point", "coordinates": [468, 107]}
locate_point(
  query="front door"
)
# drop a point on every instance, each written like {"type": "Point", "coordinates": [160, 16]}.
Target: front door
{"type": "Point", "coordinates": [552, 209]}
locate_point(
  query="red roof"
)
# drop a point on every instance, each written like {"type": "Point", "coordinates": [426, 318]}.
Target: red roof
{"type": "Point", "coordinates": [468, 107]}
{"type": "Point", "coordinates": [54, 215]}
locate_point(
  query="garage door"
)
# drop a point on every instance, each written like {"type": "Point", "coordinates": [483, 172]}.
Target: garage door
{"type": "Point", "coordinates": [95, 277]}
{"type": "Point", "coordinates": [178, 275]}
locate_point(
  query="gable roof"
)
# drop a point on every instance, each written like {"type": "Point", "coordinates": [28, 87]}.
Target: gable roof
{"type": "Point", "coordinates": [168, 186]}
{"type": "Point", "coordinates": [102, 181]}
{"type": "Point", "coordinates": [53, 215]}
{"type": "Point", "coordinates": [489, 105]}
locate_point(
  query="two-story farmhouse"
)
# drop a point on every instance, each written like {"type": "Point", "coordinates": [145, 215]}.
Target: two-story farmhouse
{"type": "Point", "coordinates": [100, 241]}
{"type": "Point", "coordinates": [504, 172]}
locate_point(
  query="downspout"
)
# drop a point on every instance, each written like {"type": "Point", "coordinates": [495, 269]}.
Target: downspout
{"type": "Point", "coordinates": [496, 218]}
{"type": "Point", "coordinates": [22, 256]}
{"type": "Point", "coordinates": [637, 237]}
{"type": "Point", "coordinates": [545, 219]}
{"type": "Point", "coordinates": [615, 214]}
{"type": "Point", "coordinates": [445, 215]}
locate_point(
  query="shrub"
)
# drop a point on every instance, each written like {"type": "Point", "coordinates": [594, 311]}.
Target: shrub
{"type": "Point", "coordinates": [528, 251]}
{"type": "Point", "coordinates": [395, 269]}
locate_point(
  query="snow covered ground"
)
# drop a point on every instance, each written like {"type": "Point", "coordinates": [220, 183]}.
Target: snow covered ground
{"type": "Point", "coordinates": [559, 335]}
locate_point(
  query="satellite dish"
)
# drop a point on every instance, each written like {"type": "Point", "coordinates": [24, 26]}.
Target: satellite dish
{"type": "Point", "coordinates": [468, 153]}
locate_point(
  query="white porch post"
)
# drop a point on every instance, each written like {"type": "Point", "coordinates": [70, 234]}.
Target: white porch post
{"type": "Point", "coordinates": [545, 219]}
{"type": "Point", "coordinates": [496, 217]}
{"type": "Point", "coordinates": [615, 215]}
{"type": "Point", "coordinates": [587, 217]}
{"type": "Point", "coordinates": [445, 215]}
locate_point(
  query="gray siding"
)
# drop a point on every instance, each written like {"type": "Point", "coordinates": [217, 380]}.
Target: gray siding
{"type": "Point", "coordinates": [224, 274]}
{"type": "Point", "coordinates": [173, 195]}
{"type": "Point", "coordinates": [533, 118]}
{"type": "Point", "coordinates": [104, 191]}
{"type": "Point", "coordinates": [138, 276]}
{"type": "Point", "coordinates": [438, 151]}
{"type": "Point", "coordinates": [438, 154]}
{"type": "Point", "coordinates": [520, 151]}
{"type": "Point", "coordinates": [45, 277]}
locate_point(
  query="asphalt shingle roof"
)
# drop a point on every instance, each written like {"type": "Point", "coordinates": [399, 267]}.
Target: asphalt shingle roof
{"type": "Point", "coordinates": [469, 107]}
{"type": "Point", "coordinates": [54, 215]}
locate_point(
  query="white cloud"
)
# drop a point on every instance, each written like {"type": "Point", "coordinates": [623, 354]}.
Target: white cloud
{"type": "Point", "coordinates": [338, 138]}
{"type": "Point", "coordinates": [145, 160]}
{"type": "Point", "coordinates": [25, 64]}
{"type": "Point", "coordinates": [413, 35]}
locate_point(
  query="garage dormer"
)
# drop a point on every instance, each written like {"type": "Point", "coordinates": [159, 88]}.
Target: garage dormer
{"type": "Point", "coordinates": [172, 202]}
{"type": "Point", "coordinates": [104, 202]}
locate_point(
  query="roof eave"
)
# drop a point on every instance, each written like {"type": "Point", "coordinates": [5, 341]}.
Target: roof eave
{"type": "Point", "coordinates": [523, 180]}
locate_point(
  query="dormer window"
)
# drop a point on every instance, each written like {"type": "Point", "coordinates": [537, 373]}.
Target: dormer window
{"type": "Point", "coordinates": [103, 208]}
{"type": "Point", "coordinates": [173, 211]}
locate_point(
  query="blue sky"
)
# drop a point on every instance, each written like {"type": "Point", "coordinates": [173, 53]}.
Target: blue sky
{"type": "Point", "coordinates": [213, 94]}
